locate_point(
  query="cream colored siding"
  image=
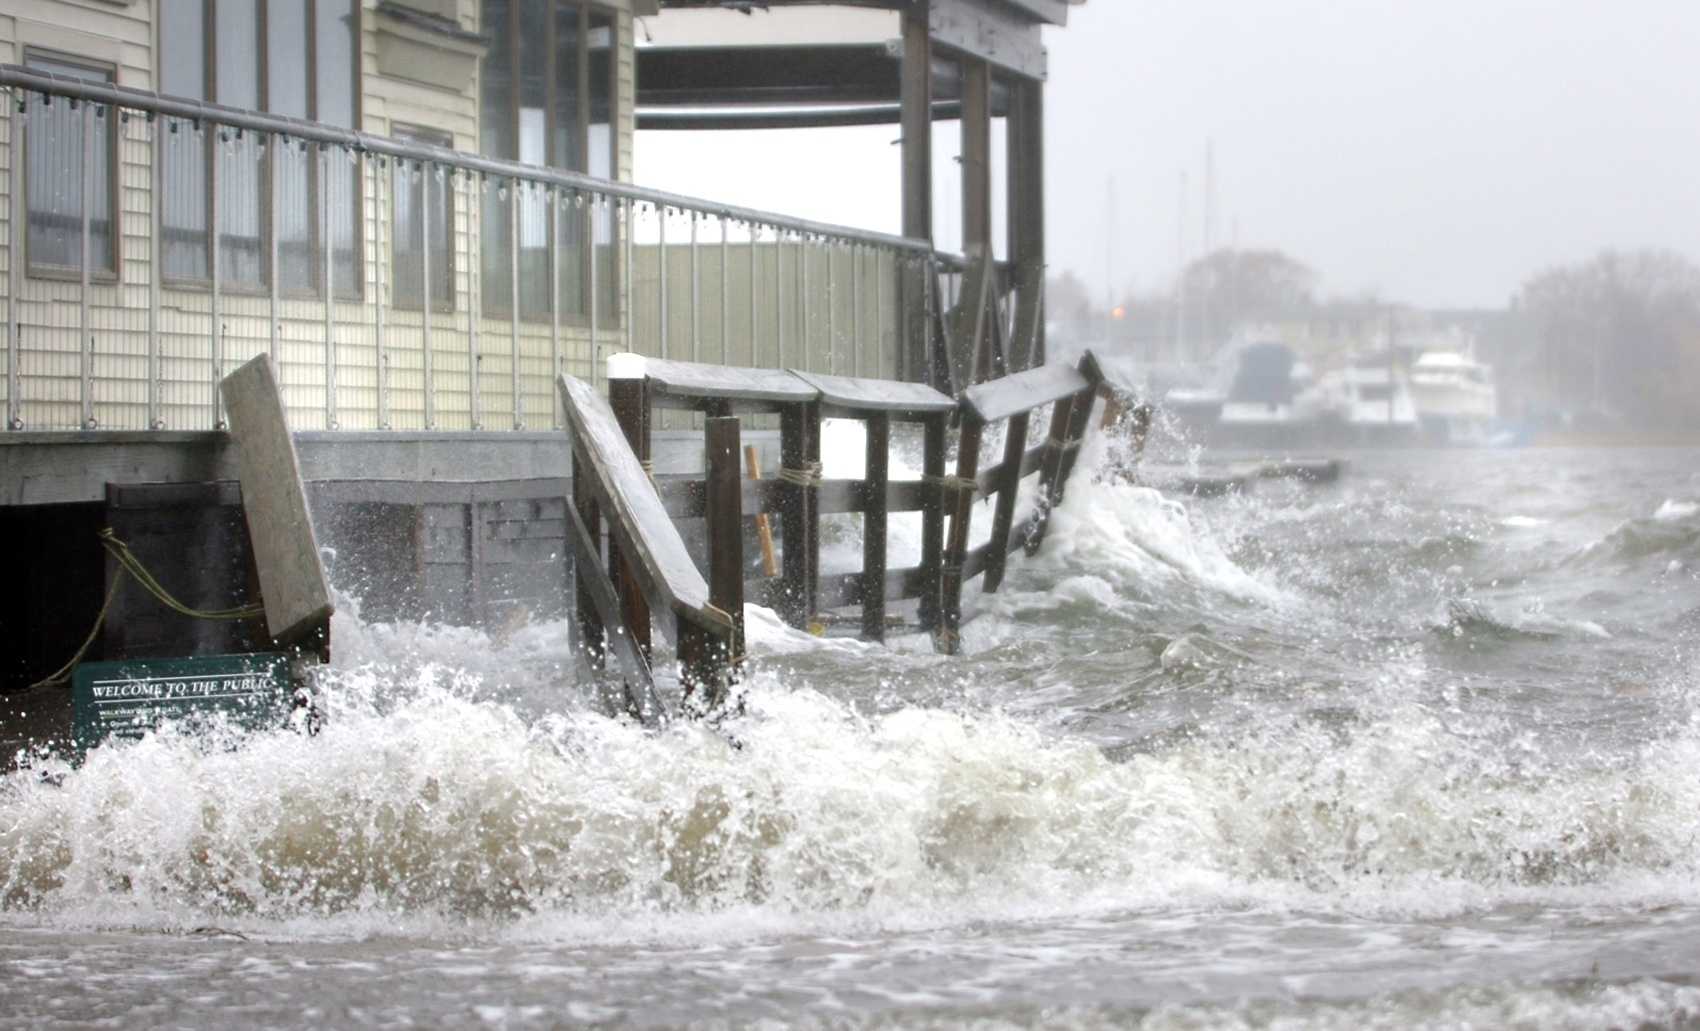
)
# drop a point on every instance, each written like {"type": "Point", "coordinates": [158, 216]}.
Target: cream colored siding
{"type": "Point", "coordinates": [376, 353]}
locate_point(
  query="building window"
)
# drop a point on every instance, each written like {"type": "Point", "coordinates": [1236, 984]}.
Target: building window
{"type": "Point", "coordinates": [287, 57]}
{"type": "Point", "coordinates": [54, 174]}
{"type": "Point", "coordinates": [547, 97]}
{"type": "Point", "coordinates": [418, 192]}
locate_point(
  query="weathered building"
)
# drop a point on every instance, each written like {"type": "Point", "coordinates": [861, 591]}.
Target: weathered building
{"type": "Point", "coordinates": [423, 210]}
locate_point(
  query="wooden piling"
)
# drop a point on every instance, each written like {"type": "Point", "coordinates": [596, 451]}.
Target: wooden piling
{"type": "Point", "coordinates": [794, 518]}
{"type": "Point", "coordinates": [874, 517]}
{"type": "Point", "coordinates": [591, 635]}
{"type": "Point", "coordinates": [715, 660]}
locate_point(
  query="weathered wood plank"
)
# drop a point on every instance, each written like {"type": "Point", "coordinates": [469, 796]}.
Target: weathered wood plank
{"type": "Point", "coordinates": [725, 518]}
{"type": "Point", "coordinates": [953, 573]}
{"type": "Point", "coordinates": [597, 590]}
{"type": "Point", "coordinates": [286, 553]}
{"type": "Point", "coordinates": [851, 394]}
{"type": "Point", "coordinates": [697, 385]}
{"type": "Point", "coordinates": [625, 494]}
{"type": "Point", "coordinates": [1001, 398]}
{"type": "Point", "coordinates": [683, 496]}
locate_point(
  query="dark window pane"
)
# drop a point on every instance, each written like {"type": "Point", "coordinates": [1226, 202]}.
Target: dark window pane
{"type": "Point", "coordinates": [236, 78]}
{"type": "Point", "coordinates": [242, 257]}
{"type": "Point", "coordinates": [59, 155]}
{"type": "Point", "coordinates": [535, 29]}
{"type": "Point", "coordinates": [183, 209]}
{"type": "Point", "coordinates": [533, 252]}
{"type": "Point", "coordinates": [600, 155]}
{"type": "Point", "coordinates": [286, 59]}
{"type": "Point", "coordinates": [334, 36]}
{"type": "Point", "coordinates": [296, 232]}
{"type": "Point", "coordinates": [414, 188]}
{"type": "Point", "coordinates": [495, 93]}
{"type": "Point", "coordinates": [183, 48]}
{"type": "Point", "coordinates": [568, 140]}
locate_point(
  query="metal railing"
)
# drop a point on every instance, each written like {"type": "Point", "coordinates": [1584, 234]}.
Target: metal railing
{"type": "Point", "coordinates": [153, 244]}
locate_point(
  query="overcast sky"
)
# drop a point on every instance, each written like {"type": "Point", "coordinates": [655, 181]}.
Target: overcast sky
{"type": "Point", "coordinates": [1436, 152]}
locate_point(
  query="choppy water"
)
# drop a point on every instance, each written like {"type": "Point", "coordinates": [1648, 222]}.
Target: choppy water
{"type": "Point", "coordinates": [1418, 749]}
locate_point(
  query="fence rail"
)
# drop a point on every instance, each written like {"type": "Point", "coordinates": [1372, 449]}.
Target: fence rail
{"type": "Point", "coordinates": [800, 495]}
{"type": "Point", "coordinates": [153, 244]}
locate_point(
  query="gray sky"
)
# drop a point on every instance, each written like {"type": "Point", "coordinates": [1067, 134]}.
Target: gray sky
{"type": "Point", "coordinates": [1437, 152]}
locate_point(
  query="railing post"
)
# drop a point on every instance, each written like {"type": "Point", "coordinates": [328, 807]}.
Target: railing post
{"type": "Point", "coordinates": [630, 316]}
{"type": "Point", "coordinates": [156, 258]}
{"type": "Point", "coordinates": [696, 294]}
{"type": "Point", "coordinates": [808, 361]}
{"type": "Point", "coordinates": [429, 401]}
{"type": "Point", "coordinates": [379, 262]}
{"type": "Point", "coordinates": [856, 309]}
{"type": "Point", "coordinates": [725, 294]}
{"type": "Point", "coordinates": [474, 312]}
{"type": "Point", "coordinates": [552, 204]}
{"type": "Point", "coordinates": [662, 348]}
{"type": "Point", "coordinates": [874, 526]}
{"type": "Point", "coordinates": [515, 188]}
{"type": "Point", "coordinates": [330, 285]}
{"type": "Point", "coordinates": [755, 351]}
{"type": "Point", "coordinates": [593, 305]}
{"type": "Point", "coordinates": [19, 120]}
{"type": "Point", "coordinates": [628, 397]}
{"type": "Point", "coordinates": [211, 138]}
{"type": "Point", "coordinates": [84, 340]}
{"type": "Point", "coordinates": [275, 169]}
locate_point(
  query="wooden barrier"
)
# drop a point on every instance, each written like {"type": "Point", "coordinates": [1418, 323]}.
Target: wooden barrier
{"type": "Point", "coordinates": [800, 496]}
{"type": "Point", "coordinates": [647, 561]}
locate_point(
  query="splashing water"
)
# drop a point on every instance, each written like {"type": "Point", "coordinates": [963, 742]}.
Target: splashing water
{"type": "Point", "coordinates": [1416, 756]}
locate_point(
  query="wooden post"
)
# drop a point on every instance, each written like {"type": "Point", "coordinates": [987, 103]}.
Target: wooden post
{"type": "Point", "coordinates": [932, 517]}
{"type": "Point", "coordinates": [956, 552]}
{"type": "Point", "coordinates": [764, 528]}
{"type": "Point", "coordinates": [874, 526]}
{"type": "Point", "coordinates": [1009, 480]}
{"type": "Point", "coordinates": [916, 96]}
{"type": "Point", "coordinates": [715, 660]}
{"type": "Point", "coordinates": [627, 396]}
{"type": "Point", "coordinates": [591, 637]}
{"type": "Point", "coordinates": [793, 519]}
{"type": "Point", "coordinates": [811, 528]}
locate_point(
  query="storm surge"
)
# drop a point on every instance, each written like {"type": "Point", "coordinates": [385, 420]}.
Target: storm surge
{"type": "Point", "coordinates": [1269, 747]}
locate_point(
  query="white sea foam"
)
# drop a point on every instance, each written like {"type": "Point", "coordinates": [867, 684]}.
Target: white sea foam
{"type": "Point", "coordinates": [1672, 510]}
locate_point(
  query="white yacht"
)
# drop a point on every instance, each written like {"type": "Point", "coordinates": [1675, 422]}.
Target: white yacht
{"type": "Point", "coordinates": [1455, 397]}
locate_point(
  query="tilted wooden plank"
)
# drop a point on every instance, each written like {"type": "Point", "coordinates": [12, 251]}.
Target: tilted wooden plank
{"type": "Point", "coordinates": [876, 395]}
{"type": "Point", "coordinates": [629, 500]}
{"type": "Point", "coordinates": [1024, 391]}
{"type": "Point", "coordinates": [286, 554]}
{"type": "Point", "coordinates": [595, 586]}
{"type": "Point", "coordinates": [715, 383]}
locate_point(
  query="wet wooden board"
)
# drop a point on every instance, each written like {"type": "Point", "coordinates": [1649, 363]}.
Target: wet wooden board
{"type": "Point", "coordinates": [699, 384]}
{"type": "Point", "coordinates": [876, 395]}
{"type": "Point", "coordinates": [1002, 398]}
{"type": "Point", "coordinates": [629, 500]}
{"type": "Point", "coordinates": [286, 554]}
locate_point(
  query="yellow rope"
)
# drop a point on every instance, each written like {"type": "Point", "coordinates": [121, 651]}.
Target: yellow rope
{"type": "Point", "coordinates": [63, 673]}
{"type": "Point", "coordinates": [127, 559]}
{"type": "Point", "coordinates": [806, 476]}
{"type": "Point", "coordinates": [129, 563]}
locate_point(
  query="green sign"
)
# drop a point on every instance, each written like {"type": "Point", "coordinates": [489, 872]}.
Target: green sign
{"type": "Point", "coordinates": [127, 699]}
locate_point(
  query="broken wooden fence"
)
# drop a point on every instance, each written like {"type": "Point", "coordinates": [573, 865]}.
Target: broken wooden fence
{"type": "Point", "coordinates": [800, 495]}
